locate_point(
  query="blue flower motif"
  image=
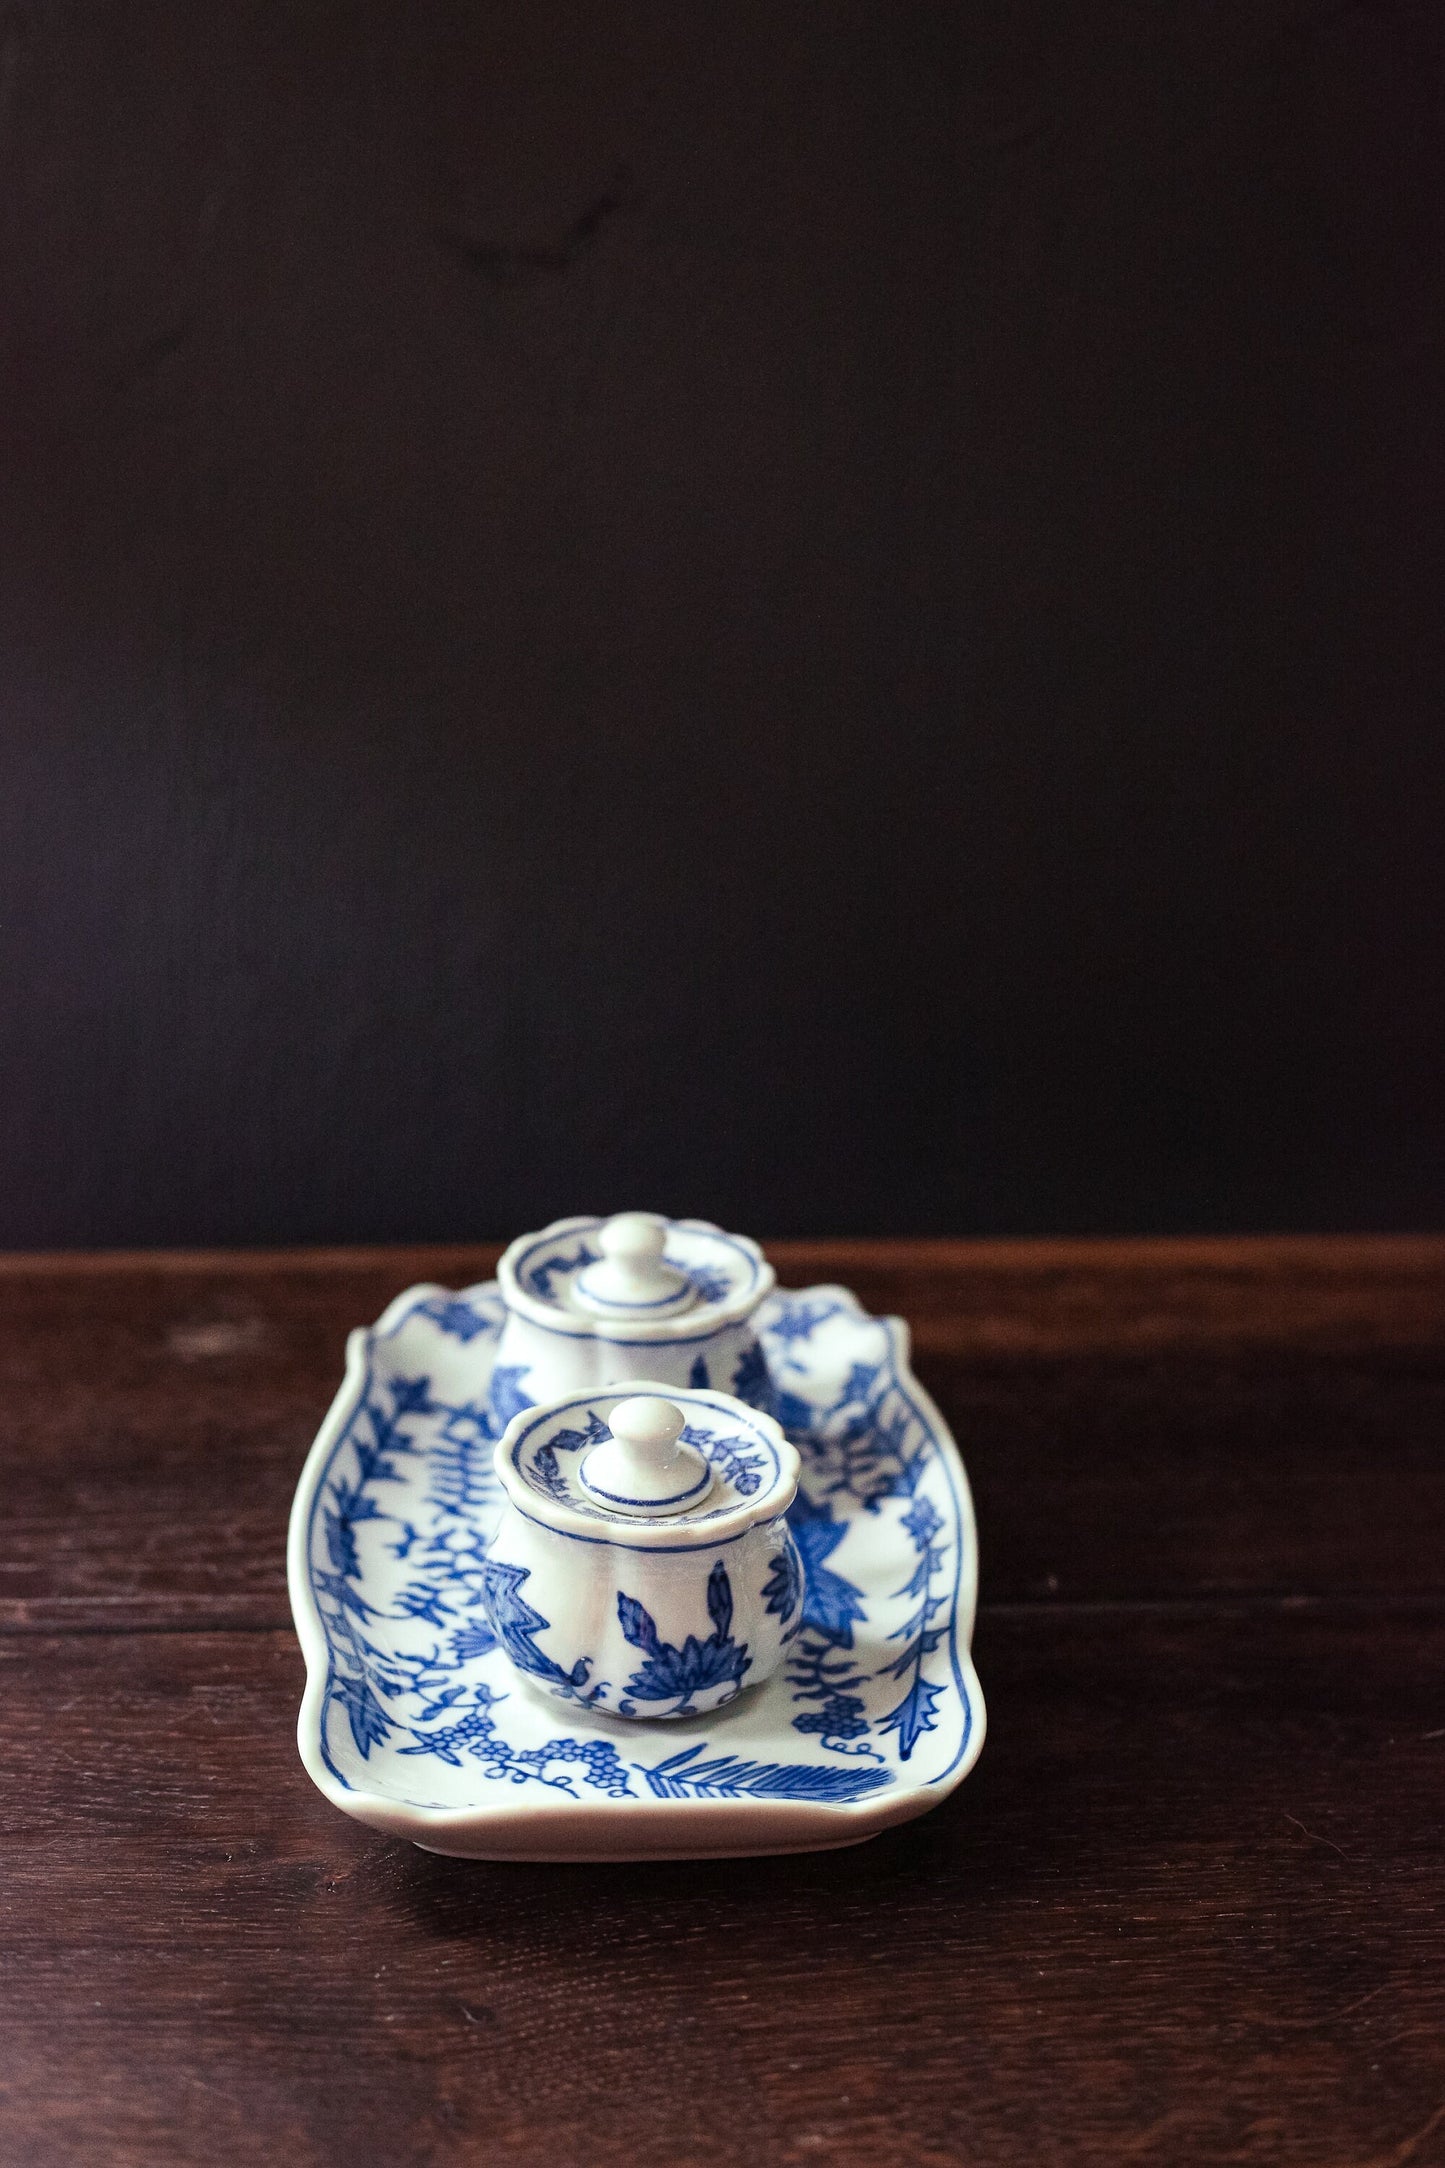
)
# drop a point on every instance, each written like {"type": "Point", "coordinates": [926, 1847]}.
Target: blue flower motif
{"type": "Point", "coordinates": [412, 1396]}
{"type": "Point", "coordinates": [923, 1522]}
{"type": "Point", "coordinates": [673, 1674]}
{"type": "Point", "coordinates": [709, 1284]}
{"type": "Point", "coordinates": [798, 1321]}
{"type": "Point", "coordinates": [458, 1318]}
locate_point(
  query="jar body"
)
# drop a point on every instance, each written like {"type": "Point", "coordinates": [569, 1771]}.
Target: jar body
{"type": "Point", "coordinates": [537, 1363]}
{"type": "Point", "coordinates": [643, 1632]}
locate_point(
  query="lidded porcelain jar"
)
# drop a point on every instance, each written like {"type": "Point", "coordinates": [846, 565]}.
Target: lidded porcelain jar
{"type": "Point", "coordinates": [643, 1563]}
{"type": "Point", "coordinates": [603, 1301]}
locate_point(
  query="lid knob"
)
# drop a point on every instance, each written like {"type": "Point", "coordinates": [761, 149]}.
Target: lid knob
{"type": "Point", "coordinates": [645, 1467]}
{"type": "Point", "coordinates": [630, 1278]}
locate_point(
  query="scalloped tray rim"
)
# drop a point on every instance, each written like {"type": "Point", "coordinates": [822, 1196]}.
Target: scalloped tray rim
{"type": "Point", "coordinates": [645, 1828]}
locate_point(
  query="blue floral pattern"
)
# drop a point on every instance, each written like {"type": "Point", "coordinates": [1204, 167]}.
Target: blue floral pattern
{"type": "Point", "coordinates": [731, 1776]}
{"type": "Point", "coordinates": [516, 1626]}
{"type": "Point", "coordinates": [743, 1466]}
{"type": "Point", "coordinates": [670, 1674]}
{"type": "Point", "coordinates": [541, 1275]}
{"type": "Point", "coordinates": [783, 1589]}
{"type": "Point", "coordinates": [709, 1284]}
{"type": "Point", "coordinates": [424, 1640]}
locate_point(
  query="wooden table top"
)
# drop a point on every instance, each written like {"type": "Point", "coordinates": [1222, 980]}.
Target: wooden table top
{"type": "Point", "coordinates": [1189, 1909]}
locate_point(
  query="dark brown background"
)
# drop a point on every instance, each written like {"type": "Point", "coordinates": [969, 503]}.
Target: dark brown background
{"type": "Point", "coordinates": [826, 615]}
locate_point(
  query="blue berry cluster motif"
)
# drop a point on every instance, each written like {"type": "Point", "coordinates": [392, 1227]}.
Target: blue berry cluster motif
{"type": "Point", "coordinates": [476, 1734]}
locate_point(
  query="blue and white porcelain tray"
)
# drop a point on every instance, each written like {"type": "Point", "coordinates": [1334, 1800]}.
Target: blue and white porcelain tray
{"type": "Point", "coordinates": [415, 1722]}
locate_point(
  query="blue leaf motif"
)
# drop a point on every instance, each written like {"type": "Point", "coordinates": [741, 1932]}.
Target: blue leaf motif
{"type": "Point", "coordinates": [506, 1397]}
{"type": "Point", "coordinates": [460, 1464]}
{"type": "Point", "coordinates": [913, 1715]}
{"type": "Point", "coordinates": [752, 1380]}
{"type": "Point", "coordinates": [795, 1414]}
{"type": "Point", "coordinates": [455, 1317]}
{"type": "Point", "coordinates": [565, 1441]}
{"type": "Point", "coordinates": [783, 1589]}
{"type": "Point", "coordinates": [370, 1724]}
{"type": "Point", "coordinates": [720, 1600]}
{"type": "Point", "coordinates": [420, 1599]}
{"type": "Point", "coordinates": [921, 1637]}
{"type": "Point", "coordinates": [739, 1463]}
{"type": "Point", "coordinates": [797, 1322]}
{"type": "Point", "coordinates": [349, 1504]}
{"type": "Point", "coordinates": [341, 1593]}
{"type": "Point", "coordinates": [637, 1623]}
{"type": "Point", "coordinates": [728, 1776]}
{"type": "Point", "coordinates": [541, 1275]}
{"type": "Point", "coordinates": [831, 1604]}
{"type": "Point", "coordinates": [861, 1380]}
{"type": "Point", "coordinates": [474, 1639]}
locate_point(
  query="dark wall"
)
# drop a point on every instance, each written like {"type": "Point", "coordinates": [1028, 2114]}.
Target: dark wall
{"type": "Point", "coordinates": [824, 615]}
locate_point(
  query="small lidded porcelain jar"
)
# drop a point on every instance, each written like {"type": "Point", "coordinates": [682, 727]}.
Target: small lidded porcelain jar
{"type": "Point", "coordinates": [643, 1563]}
{"type": "Point", "coordinates": [600, 1302]}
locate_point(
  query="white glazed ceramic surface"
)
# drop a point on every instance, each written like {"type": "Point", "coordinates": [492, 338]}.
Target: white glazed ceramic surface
{"type": "Point", "coordinates": [555, 1340]}
{"type": "Point", "coordinates": [415, 1722]}
{"type": "Point", "coordinates": [665, 1616]}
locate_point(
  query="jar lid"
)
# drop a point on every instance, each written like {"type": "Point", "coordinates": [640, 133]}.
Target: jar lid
{"type": "Point", "coordinates": [653, 1467]}
{"type": "Point", "coordinates": [633, 1277]}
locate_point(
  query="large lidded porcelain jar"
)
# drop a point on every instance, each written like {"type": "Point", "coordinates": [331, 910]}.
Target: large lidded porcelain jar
{"type": "Point", "coordinates": [643, 1563]}
{"type": "Point", "coordinates": [604, 1301]}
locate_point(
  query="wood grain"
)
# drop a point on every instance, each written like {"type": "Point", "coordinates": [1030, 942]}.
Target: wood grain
{"type": "Point", "coordinates": [1189, 1909]}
